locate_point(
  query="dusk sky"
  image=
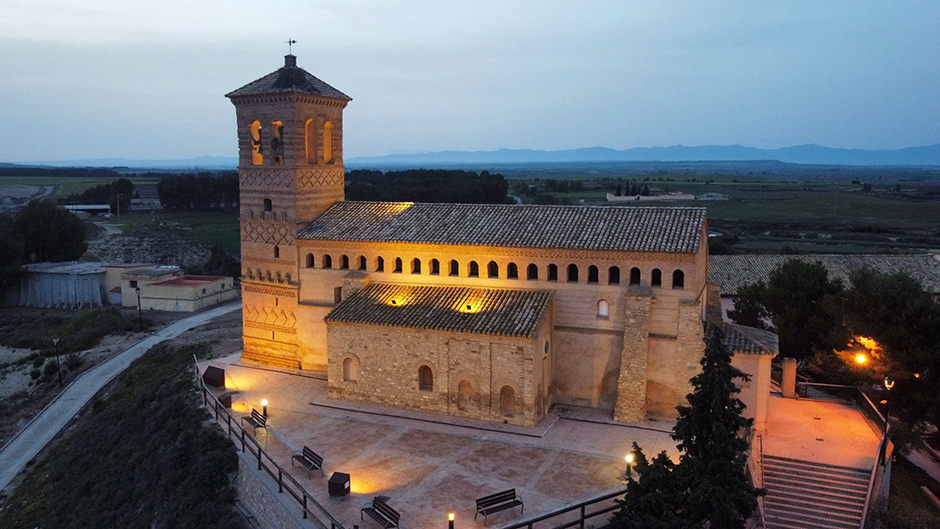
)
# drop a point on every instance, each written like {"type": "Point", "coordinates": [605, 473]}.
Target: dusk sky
{"type": "Point", "coordinates": [132, 79]}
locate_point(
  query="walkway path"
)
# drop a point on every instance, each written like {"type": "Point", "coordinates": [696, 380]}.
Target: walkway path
{"type": "Point", "coordinates": [25, 445]}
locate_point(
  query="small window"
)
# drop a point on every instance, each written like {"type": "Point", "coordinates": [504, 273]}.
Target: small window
{"type": "Point", "coordinates": [257, 157]}
{"type": "Point", "coordinates": [678, 280]}
{"type": "Point", "coordinates": [133, 284]}
{"type": "Point", "coordinates": [572, 273]}
{"type": "Point", "coordinates": [362, 262]}
{"type": "Point", "coordinates": [350, 369]}
{"type": "Point", "coordinates": [613, 275]}
{"type": "Point", "coordinates": [473, 269]}
{"type": "Point", "coordinates": [310, 141]}
{"type": "Point", "coordinates": [379, 264]}
{"type": "Point", "coordinates": [345, 265]}
{"type": "Point", "coordinates": [416, 266]}
{"type": "Point", "coordinates": [277, 252]}
{"type": "Point", "coordinates": [398, 265]}
{"type": "Point", "coordinates": [435, 267]}
{"type": "Point", "coordinates": [512, 271]}
{"type": "Point", "coordinates": [492, 270]}
{"type": "Point", "coordinates": [656, 279]}
{"type": "Point", "coordinates": [603, 309]}
{"type": "Point", "coordinates": [327, 261]}
{"type": "Point", "coordinates": [552, 272]}
{"type": "Point", "coordinates": [532, 272]}
{"type": "Point", "coordinates": [337, 295]}
{"type": "Point", "coordinates": [309, 260]}
{"type": "Point", "coordinates": [634, 276]}
{"type": "Point", "coordinates": [592, 274]}
{"type": "Point", "coordinates": [454, 268]}
{"type": "Point", "coordinates": [267, 206]}
{"type": "Point", "coordinates": [277, 142]}
{"type": "Point", "coordinates": [425, 379]}
{"type": "Point", "coordinates": [328, 142]}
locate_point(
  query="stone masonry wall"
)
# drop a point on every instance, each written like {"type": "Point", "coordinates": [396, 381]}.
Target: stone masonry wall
{"type": "Point", "coordinates": [261, 499]}
{"type": "Point", "coordinates": [631, 385]}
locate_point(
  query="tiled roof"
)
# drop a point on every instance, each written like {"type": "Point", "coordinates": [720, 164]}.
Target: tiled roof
{"type": "Point", "coordinates": [289, 79]}
{"type": "Point", "coordinates": [634, 229]}
{"type": "Point", "coordinates": [741, 339]}
{"type": "Point", "coordinates": [501, 312]}
{"type": "Point", "coordinates": [736, 271]}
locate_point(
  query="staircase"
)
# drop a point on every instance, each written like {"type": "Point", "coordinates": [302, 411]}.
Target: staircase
{"type": "Point", "coordinates": [807, 495]}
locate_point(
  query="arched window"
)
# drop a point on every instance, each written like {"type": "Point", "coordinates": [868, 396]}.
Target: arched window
{"type": "Point", "coordinates": [416, 266]}
{"type": "Point", "coordinates": [592, 274]}
{"type": "Point", "coordinates": [309, 260]}
{"type": "Point", "coordinates": [656, 279]}
{"type": "Point", "coordinates": [507, 401]}
{"type": "Point", "coordinates": [310, 141]}
{"type": "Point", "coordinates": [512, 271]}
{"type": "Point", "coordinates": [257, 158]}
{"type": "Point", "coordinates": [327, 261]}
{"type": "Point", "coordinates": [425, 379]}
{"type": "Point", "coordinates": [328, 142]}
{"type": "Point", "coordinates": [552, 272]}
{"type": "Point", "coordinates": [454, 268]}
{"type": "Point", "coordinates": [603, 309]}
{"type": "Point", "coordinates": [464, 395]}
{"type": "Point", "coordinates": [634, 276]}
{"type": "Point", "coordinates": [350, 369]}
{"type": "Point", "coordinates": [435, 267]}
{"type": "Point", "coordinates": [492, 270]}
{"type": "Point", "coordinates": [379, 264]}
{"type": "Point", "coordinates": [345, 263]}
{"type": "Point", "coordinates": [266, 205]}
{"type": "Point", "coordinates": [398, 265]}
{"type": "Point", "coordinates": [362, 262]}
{"type": "Point", "coordinates": [572, 273]}
{"type": "Point", "coordinates": [532, 272]}
{"type": "Point", "coordinates": [277, 252]}
{"type": "Point", "coordinates": [613, 275]}
{"type": "Point", "coordinates": [277, 142]}
{"type": "Point", "coordinates": [678, 280]}
{"type": "Point", "coordinates": [473, 269]}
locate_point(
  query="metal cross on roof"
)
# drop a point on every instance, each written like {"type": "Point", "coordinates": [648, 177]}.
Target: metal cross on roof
{"type": "Point", "coordinates": [290, 45]}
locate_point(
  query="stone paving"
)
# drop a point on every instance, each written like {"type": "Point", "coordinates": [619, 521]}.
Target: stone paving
{"type": "Point", "coordinates": [430, 465]}
{"type": "Point", "coordinates": [822, 431]}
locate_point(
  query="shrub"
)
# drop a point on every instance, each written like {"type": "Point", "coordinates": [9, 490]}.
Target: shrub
{"type": "Point", "coordinates": [73, 361]}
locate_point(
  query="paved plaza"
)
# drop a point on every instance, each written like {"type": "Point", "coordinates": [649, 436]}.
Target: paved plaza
{"type": "Point", "coordinates": [430, 465]}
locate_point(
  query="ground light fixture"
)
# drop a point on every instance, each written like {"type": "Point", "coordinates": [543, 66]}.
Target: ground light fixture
{"type": "Point", "coordinates": [629, 459]}
{"type": "Point", "coordinates": [58, 365]}
{"type": "Point", "coordinates": [450, 521]}
{"type": "Point", "coordinates": [264, 407]}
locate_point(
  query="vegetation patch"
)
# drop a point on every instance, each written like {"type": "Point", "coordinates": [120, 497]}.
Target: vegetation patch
{"type": "Point", "coordinates": [144, 456]}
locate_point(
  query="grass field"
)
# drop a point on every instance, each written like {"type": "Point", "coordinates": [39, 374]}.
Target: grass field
{"type": "Point", "coordinates": [64, 186]}
{"type": "Point", "coordinates": [210, 227]}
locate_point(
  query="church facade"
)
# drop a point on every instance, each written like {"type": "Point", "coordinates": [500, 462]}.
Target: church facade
{"type": "Point", "coordinates": [491, 312]}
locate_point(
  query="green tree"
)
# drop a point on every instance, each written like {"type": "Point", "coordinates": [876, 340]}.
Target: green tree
{"type": "Point", "coordinates": [50, 233]}
{"type": "Point", "coordinates": [712, 467]}
{"type": "Point", "coordinates": [12, 248]}
{"type": "Point", "coordinates": [654, 500]}
{"type": "Point", "coordinates": [802, 304]}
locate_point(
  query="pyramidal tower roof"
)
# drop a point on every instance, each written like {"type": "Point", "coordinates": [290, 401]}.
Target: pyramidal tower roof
{"type": "Point", "coordinates": [289, 79]}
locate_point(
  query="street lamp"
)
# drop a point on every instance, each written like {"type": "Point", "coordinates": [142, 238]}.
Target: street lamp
{"type": "Point", "coordinates": [889, 383]}
{"type": "Point", "coordinates": [264, 407]}
{"type": "Point", "coordinates": [140, 320]}
{"type": "Point", "coordinates": [58, 367]}
{"type": "Point", "coordinates": [450, 521]}
{"type": "Point", "coordinates": [629, 459]}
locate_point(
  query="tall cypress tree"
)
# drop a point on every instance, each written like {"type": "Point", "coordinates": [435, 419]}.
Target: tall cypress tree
{"type": "Point", "coordinates": [712, 467]}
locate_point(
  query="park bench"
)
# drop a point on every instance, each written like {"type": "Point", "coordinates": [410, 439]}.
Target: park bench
{"type": "Point", "coordinates": [256, 420]}
{"type": "Point", "coordinates": [381, 512]}
{"type": "Point", "coordinates": [498, 502]}
{"type": "Point", "coordinates": [310, 460]}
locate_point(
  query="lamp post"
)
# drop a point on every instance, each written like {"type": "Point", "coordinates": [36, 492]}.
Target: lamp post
{"type": "Point", "coordinates": [889, 383]}
{"type": "Point", "coordinates": [450, 521]}
{"type": "Point", "coordinates": [629, 459]}
{"type": "Point", "coordinates": [58, 366]}
{"type": "Point", "coordinates": [264, 407]}
{"type": "Point", "coordinates": [140, 320]}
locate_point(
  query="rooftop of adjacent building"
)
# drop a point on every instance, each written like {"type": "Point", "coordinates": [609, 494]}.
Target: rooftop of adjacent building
{"type": "Point", "coordinates": [189, 281]}
{"type": "Point", "coordinates": [737, 271]}
{"type": "Point", "coordinates": [630, 229]}
{"type": "Point", "coordinates": [152, 272]}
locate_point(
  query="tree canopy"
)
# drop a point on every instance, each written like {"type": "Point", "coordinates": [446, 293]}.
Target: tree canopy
{"type": "Point", "coordinates": [50, 233]}
{"type": "Point", "coordinates": [117, 194]}
{"type": "Point", "coordinates": [198, 192]}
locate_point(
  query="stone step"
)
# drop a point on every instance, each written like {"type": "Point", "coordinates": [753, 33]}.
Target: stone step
{"type": "Point", "coordinates": [786, 462]}
{"type": "Point", "coordinates": [787, 521]}
{"type": "Point", "coordinates": [819, 506]}
{"type": "Point", "coordinates": [828, 482]}
{"type": "Point", "coordinates": [852, 503]}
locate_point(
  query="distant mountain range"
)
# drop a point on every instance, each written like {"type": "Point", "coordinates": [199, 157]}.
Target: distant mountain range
{"type": "Point", "coordinates": [798, 154]}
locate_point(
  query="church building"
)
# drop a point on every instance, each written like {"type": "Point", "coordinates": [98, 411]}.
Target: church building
{"type": "Point", "coordinates": [486, 311]}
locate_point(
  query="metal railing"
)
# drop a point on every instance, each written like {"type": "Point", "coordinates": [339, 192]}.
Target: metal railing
{"type": "Point", "coordinates": [310, 507]}
{"type": "Point", "coordinates": [580, 508]}
{"type": "Point", "coordinates": [755, 467]}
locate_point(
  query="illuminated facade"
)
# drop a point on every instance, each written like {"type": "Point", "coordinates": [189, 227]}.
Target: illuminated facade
{"type": "Point", "coordinates": [485, 311]}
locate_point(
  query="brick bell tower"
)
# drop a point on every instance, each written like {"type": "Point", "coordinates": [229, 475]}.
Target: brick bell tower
{"type": "Point", "coordinates": [290, 170]}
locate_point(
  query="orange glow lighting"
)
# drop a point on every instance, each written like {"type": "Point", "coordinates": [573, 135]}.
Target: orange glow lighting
{"type": "Point", "coordinates": [860, 359]}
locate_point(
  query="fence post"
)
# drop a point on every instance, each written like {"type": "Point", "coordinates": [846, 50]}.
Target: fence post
{"type": "Point", "coordinates": [582, 517]}
{"type": "Point", "coordinates": [305, 505]}
{"type": "Point", "coordinates": [216, 409]}
{"type": "Point", "coordinates": [229, 415]}
{"type": "Point", "coordinates": [259, 457]}
{"type": "Point", "coordinates": [243, 439]}
{"type": "Point", "coordinates": [280, 482]}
